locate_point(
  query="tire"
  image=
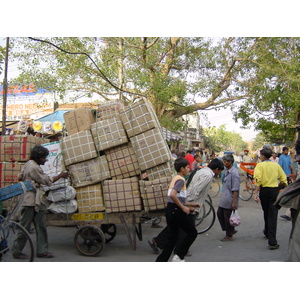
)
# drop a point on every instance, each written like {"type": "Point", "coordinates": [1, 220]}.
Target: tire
{"type": "Point", "coordinates": [206, 218]}
{"type": "Point", "coordinates": [246, 190]}
{"type": "Point", "coordinates": [89, 240]}
{"type": "Point", "coordinates": [8, 235]}
{"type": "Point", "coordinates": [214, 188]}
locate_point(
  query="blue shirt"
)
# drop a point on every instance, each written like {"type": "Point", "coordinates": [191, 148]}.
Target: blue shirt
{"type": "Point", "coordinates": [285, 162]}
{"type": "Point", "coordinates": [231, 184]}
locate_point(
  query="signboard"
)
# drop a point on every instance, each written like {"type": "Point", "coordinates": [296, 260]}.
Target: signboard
{"type": "Point", "coordinates": [26, 101]}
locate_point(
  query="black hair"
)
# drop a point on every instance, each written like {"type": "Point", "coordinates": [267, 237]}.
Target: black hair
{"type": "Point", "coordinates": [37, 152]}
{"type": "Point", "coordinates": [228, 157]}
{"type": "Point", "coordinates": [180, 163]}
{"type": "Point", "coordinates": [216, 164]}
{"type": "Point", "coordinates": [195, 156]}
{"type": "Point", "coordinates": [267, 152]}
{"type": "Point", "coordinates": [285, 148]}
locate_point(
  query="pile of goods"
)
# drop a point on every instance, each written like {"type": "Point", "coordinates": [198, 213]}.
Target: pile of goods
{"type": "Point", "coordinates": [118, 161]}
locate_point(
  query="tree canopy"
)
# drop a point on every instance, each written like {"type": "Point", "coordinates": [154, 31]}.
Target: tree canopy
{"type": "Point", "coordinates": [219, 139]}
{"type": "Point", "coordinates": [257, 77]}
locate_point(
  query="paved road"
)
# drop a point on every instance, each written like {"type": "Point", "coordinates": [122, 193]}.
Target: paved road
{"type": "Point", "coordinates": [249, 244]}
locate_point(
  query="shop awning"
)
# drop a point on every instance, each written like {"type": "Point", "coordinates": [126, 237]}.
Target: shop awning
{"type": "Point", "coordinates": [169, 135]}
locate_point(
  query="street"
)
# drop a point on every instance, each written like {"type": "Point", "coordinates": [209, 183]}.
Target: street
{"type": "Point", "coordinates": [249, 243]}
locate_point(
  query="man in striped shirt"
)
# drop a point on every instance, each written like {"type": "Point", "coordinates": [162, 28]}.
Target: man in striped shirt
{"type": "Point", "coordinates": [196, 192]}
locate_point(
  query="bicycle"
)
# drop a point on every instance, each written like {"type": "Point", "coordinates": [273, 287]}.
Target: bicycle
{"type": "Point", "coordinates": [214, 188]}
{"type": "Point", "coordinates": [10, 229]}
{"type": "Point", "coordinates": [206, 217]}
{"type": "Point", "coordinates": [247, 186]}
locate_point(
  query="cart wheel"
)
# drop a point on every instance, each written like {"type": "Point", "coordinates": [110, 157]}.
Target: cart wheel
{"type": "Point", "coordinates": [89, 240]}
{"type": "Point", "coordinates": [110, 231]}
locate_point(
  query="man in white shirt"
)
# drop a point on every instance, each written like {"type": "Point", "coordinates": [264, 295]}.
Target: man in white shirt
{"type": "Point", "coordinates": [197, 189]}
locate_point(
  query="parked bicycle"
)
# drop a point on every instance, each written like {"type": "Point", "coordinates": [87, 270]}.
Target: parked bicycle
{"type": "Point", "coordinates": [10, 230]}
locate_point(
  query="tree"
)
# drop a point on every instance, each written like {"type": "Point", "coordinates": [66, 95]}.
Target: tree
{"type": "Point", "coordinates": [260, 141]}
{"type": "Point", "coordinates": [273, 106]}
{"type": "Point", "coordinates": [178, 75]}
{"type": "Point", "coordinates": [170, 72]}
{"type": "Point", "coordinates": [218, 139]}
{"type": "Point", "coordinates": [2, 58]}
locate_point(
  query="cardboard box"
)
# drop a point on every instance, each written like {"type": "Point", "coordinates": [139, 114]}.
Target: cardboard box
{"type": "Point", "coordinates": [78, 147]}
{"type": "Point", "coordinates": [139, 117]}
{"type": "Point", "coordinates": [150, 149]}
{"type": "Point", "coordinates": [79, 120]}
{"type": "Point", "coordinates": [155, 193]}
{"type": "Point", "coordinates": [9, 173]}
{"type": "Point", "coordinates": [108, 134]}
{"type": "Point", "coordinates": [90, 198]}
{"type": "Point", "coordinates": [122, 195]}
{"type": "Point", "coordinates": [163, 170]}
{"type": "Point", "coordinates": [109, 109]}
{"type": "Point", "coordinates": [18, 147]}
{"type": "Point", "coordinates": [122, 162]}
{"type": "Point", "coordinates": [89, 172]}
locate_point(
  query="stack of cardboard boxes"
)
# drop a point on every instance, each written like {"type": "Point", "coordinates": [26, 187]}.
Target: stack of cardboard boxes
{"type": "Point", "coordinates": [118, 160]}
{"type": "Point", "coordinates": [14, 152]}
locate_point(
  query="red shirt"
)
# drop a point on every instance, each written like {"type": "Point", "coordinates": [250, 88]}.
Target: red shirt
{"type": "Point", "coordinates": [190, 158]}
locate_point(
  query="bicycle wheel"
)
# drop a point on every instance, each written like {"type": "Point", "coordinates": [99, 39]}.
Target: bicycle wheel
{"type": "Point", "coordinates": [8, 234]}
{"type": "Point", "coordinates": [206, 218]}
{"type": "Point", "coordinates": [214, 188]}
{"type": "Point", "coordinates": [246, 190]}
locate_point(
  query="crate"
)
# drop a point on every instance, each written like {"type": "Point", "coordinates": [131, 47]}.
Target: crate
{"type": "Point", "coordinates": [15, 190]}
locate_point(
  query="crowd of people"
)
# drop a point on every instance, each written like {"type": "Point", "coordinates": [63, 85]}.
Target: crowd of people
{"type": "Point", "coordinates": [186, 194]}
{"type": "Point", "coordinates": [189, 187]}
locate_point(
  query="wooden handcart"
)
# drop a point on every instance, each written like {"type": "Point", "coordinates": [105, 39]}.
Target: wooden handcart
{"type": "Point", "coordinates": [98, 228]}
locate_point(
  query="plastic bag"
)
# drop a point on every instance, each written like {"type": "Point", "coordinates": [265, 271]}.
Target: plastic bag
{"type": "Point", "coordinates": [235, 219]}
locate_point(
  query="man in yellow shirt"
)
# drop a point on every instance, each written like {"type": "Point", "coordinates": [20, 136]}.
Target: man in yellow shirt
{"type": "Point", "coordinates": [266, 175]}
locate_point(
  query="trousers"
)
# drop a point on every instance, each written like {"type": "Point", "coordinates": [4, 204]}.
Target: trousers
{"type": "Point", "coordinates": [223, 217]}
{"type": "Point", "coordinates": [28, 216]}
{"type": "Point", "coordinates": [268, 196]}
{"type": "Point", "coordinates": [177, 220]}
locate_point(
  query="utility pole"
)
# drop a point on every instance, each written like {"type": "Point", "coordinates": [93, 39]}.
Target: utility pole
{"type": "Point", "coordinates": [5, 89]}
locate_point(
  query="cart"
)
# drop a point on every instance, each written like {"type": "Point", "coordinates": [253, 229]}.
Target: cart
{"type": "Point", "coordinates": [247, 186]}
{"type": "Point", "coordinates": [250, 170]}
{"type": "Point", "coordinates": [95, 229]}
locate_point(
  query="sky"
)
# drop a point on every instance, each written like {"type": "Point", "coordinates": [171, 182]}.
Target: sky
{"type": "Point", "coordinates": [195, 18]}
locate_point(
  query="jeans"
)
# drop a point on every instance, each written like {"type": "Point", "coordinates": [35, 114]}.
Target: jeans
{"type": "Point", "coordinates": [268, 196]}
{"type": "Point", "coordinates": [176, 220]}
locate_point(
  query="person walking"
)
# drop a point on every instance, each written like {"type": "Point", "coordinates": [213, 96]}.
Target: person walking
{"type": "Point", "coordinates": [178, 215]}
{"type": "Point", "coordinates": [266, 175]}
{"type": "Point", "coordinates": [198, 185]}
{"type": "Point", "coordinates": [33, 206]}
{"type": "Point", "coordinates": [285, 162]}
{"type": "Point", "coordinates": [229, 198]}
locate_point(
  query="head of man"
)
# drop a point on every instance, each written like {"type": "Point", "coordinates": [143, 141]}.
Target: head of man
{"type": "Point", "coordinates": [228, 160]}
{"type": "Point", "coordinates": [182, 165]}
{"type": "Point", "coordinates": [285, 150]}
{"type": "Point", "coordinates": [216, 165]}
{"type": "Point", "coordinates": [39, 154]}
{"type": "Point", "coordinates": [246, 152]}
{"type": "Point", "coordinates": [265, 153]}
